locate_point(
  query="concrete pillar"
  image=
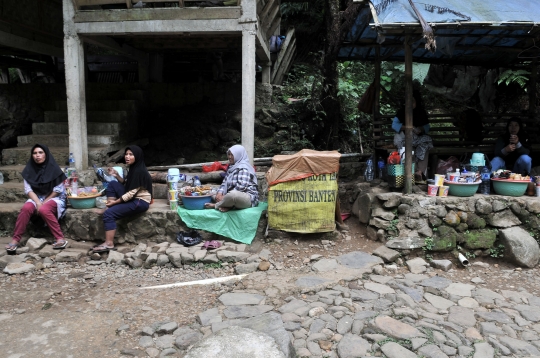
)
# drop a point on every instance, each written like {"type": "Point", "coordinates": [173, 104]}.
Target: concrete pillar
{"type": "Point", "coordinates": [248, 90]}
{"type": "Point", "coordinates": [75, 82]}
{"type": "Point", "coordinates": [267, 73]}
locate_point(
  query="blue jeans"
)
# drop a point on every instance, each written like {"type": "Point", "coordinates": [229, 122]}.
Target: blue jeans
{"type": "Point", "coordinates": [118, 211]}
{"type": "Point", "coordinates": [523, 164]}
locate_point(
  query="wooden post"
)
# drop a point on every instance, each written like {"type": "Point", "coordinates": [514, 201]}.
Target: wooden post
{"type": "Point", "coordinates": [532, 88]}
{"type": "Point", "coordinates": [408, 116]}
{"type": "Point", "coordinates": [376, 105]}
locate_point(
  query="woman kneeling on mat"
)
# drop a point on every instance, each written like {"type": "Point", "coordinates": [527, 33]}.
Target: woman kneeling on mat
{"type": "Point", "coordinates": [239, 187]}
{"type": "Point", "coordinates": [44, 185]}
{"type": "Point", "coordinates": [126, 197]}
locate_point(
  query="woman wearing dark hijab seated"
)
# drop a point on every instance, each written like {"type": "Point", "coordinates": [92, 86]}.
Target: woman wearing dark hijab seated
{"type": "Point", "coordinates": [239, 187]}
{"type": "Point", "coordinates": [126, 197]}
{"type": "Point", "coordinates": [512, 149]}
{"type": "Point", "coordinates": [44, 185]}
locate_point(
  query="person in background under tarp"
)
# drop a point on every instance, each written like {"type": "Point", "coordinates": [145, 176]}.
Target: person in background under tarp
{"type": "Point", "coordinates": [44, 185]}
{"type": "Point", "coordinates": [512, 149]}
{"type": "Point", "coordinates": [239, 187]}
{"type": "Point", "coordinates": [422, 143]}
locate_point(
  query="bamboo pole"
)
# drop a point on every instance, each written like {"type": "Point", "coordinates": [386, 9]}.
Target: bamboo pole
{"type": "Point", "coordinates": [408, 116]}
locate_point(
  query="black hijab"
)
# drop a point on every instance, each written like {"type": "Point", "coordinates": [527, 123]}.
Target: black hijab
{"type": "Point", "coordinates": [420, 117]}
{"type": "Point", "coordinates": [43, 177]}
{"type": "Point", "coordinates": [138, 175]}
{"type": "Point", "coordinates": [522, 135]}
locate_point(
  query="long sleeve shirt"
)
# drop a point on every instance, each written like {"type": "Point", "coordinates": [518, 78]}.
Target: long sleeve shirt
{"type": "Point", "coordinates": [243, 181]}
{"type": "Point", "coordinates": [138, 193]}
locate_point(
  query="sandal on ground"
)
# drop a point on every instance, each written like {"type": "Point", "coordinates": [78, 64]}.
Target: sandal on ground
{"type": "Point", "coordinates": [210, 245]}
{"type": "Point", "coordinates": [103, 248]}
{"type": "Point", "coordinates": [12, 247]}
{"type": "Point", "coordinates": [60, 245]}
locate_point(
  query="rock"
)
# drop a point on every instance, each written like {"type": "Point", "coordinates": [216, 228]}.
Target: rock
{"type": "Point", "coordinates": [444, 265]}
{"type": "Point", "coordinates": [151, 260]}
{"type": "Point", "coordinates": [18, 267]}
{"type": "Point", "coordinates": [68, 256]}
{"type": "Point", "coordinates": [47, 251]}
{"type": "Point", "coordinates": [394, 350]}
{"type": "Point", "coordinates": [519, 347]}
{"type": "Point", "coordinates": [325, 265]}
{"type": "Point", "coordinates": [459, 289]}
{"type": "Point", "coordinates": [394, 328]}
{"type": "Point", "coordinates": [134, 263]}
{"type": "Point", "coordinates": [175, 258]}
{"type": "Point", "coordinates": [186, 337]}
{"type": "Point", "coordinates": [498, 205]}
{"type": "Point", "coordinates": [164, 342]}
{"type": "Point", "coordinates": [461, 316]}
{"type": "Point", "coordinates": [387, 254]}
{"type": "Point", "coordinates": [8, 259]}
{"type": "Point", "coordinates": [452, 218]}
{"type": "Point", "coordinates": [520, 247]}
{"type": "Point", "coordinates": [309, 281]}
{"type": "Point", "coordinates": [403, 209]}
{"type": "Point", "coordinates": [233, 299]}
{"type": "Point", "coordinates": [264, 266]}
{"type": "Point", "coordinates": [132, 352]}
{"type": "Point", "coordinates": [479, 239]}
{"type": "Point", "coordinates": [246, 268]}
{"type": "Point", "coordinates": [115, 258]}
{"type": "Point", "coordinates": [35, 244]}
{"type": "Point", "coordinates": [503, 219]}
{"type": "Point", "coordinates": [371, 233]}
{"type": "Point", "coordinates": [383, 214]}
{"type": "Point", "coordinates": [230, 342]}
{"type": "Point", "coordinates": [431, 351]}
{"type": "Point", "coordinates": [358, 260]}
{"type": "Point", "coordinates": [475, 222]}
{"type": "Point", "coordinates": [232, 256]}
{"type": "Point", "coordinates": [407, 243]}
{"type": "Point", "coordinates": [146, 341]}
{"type": "Point", "coordinates": [417, 265]}
{"type": "Point", "coordinates": [483, 207]}
{"type": "Point", "coordinates": [445, 239]}
{"type": "Point", "coordinates": [167, 328]}
{"type": "Point", "coordinates": [438, 302]}
{"type": "Point", "coordinates": [365, 204]}
{"type": "Point", "coordinates": [352, 346]}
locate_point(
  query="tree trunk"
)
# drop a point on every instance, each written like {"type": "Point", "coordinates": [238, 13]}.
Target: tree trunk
{"type": "Point", "coordinates": [338, 24]}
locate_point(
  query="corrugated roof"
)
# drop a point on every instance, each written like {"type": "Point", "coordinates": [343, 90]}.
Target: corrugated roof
{"type": "Point", "coordinates": [473, 32]}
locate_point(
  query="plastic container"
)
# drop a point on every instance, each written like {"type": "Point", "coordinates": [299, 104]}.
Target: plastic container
{"type": "Point", "coordinates": [173, 204]}
{"type": "Point", "coordinates": [83, 202]}
{"type": "Point", "coordinates": [439, 179]}
{"type": "Point", "coordinates": [74, 185]}
{"type": "Point", "coordinates": [196, 181]}
{"type": "Point", "coordinates": [1, 178]}
{"type": "Point", "coordinates": [443, 190]}
{"type": "Point", "coordinates": [195, 202]}
{"type": "Point", "coordinates": [462, 189]}
{"type": "Point", "coordinates": [509, 187]}
{"type": "Point", "coordinates": [432, 190]}
{"type": "Point", "coordinates": [485, 176]}
{"type": "Point", "coordinates": [101, 202]}
{"type": "Point", "coordinates": [173, 175]}
{"type": "Point", "coordinates": [369, 173]}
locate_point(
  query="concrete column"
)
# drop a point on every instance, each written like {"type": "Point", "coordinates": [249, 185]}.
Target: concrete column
{"type": "Point", "coordinates": [75, 82]}
{"type": "Point", "coordinates": [248, 90]}
{"type": "Point", "coordinates": [267, 73]}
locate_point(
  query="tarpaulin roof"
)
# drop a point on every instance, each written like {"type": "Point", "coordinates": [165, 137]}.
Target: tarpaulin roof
{"type": "Point", "coordinates": [491, 33]}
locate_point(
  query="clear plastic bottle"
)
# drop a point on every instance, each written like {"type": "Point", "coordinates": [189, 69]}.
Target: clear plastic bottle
{"type": "Point", "coordinates": [370, 170]}
{"type": "Point", "coordinates": [485, 176]}
{"type": "Point", "coordinates": [71, 160]}
{"type": "Point", "coordinates": [1, 178]}
{"type": "Point", "coordinates": [196, 181]}
{"type": "Point", "coordinates": [74, 184]}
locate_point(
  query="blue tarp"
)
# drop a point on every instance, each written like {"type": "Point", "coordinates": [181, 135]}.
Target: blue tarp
{"type": "Point", "coordinates": [509, 27]}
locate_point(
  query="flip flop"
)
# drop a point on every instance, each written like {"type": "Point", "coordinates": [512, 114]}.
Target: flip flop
{"type": "Point", "coordinates": [12, 247]}
{"type": "Point", "coordinates": [103, 248]}
{"type": "Point", "coordinates": [60, 245]}
{"type": "Point", "coordinates": [214, 244]}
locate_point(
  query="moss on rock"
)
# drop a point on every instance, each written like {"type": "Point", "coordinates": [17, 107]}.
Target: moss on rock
{"type": "Point", "coordinates": [479, 239]}
{"type": "Point", "coordinates": [445, 239]}
{"type": "Point", "coordinates": [475, 222]}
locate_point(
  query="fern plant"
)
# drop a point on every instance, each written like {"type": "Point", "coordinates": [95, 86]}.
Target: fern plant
{"type": "Point", "coordinates": [514, 76]}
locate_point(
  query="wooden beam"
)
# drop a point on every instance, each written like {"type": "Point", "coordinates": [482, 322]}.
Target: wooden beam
{"type": "Point", "coordinates": [21, 43]}
{"type": "Point", "coordinates": [158, 14]}
{"type": "Point", "coordinates": [265, 11]}
{"type": "Point", "coordinates": [272, 22]}
{"type": "Point", "coordinates": [408, 116]}
{"type": "Point", "coordinates": [281, 70]}
{"type": "Point", "coordinates": [281, 55]}
{"type": "Point", "coordinates": [262, 51]}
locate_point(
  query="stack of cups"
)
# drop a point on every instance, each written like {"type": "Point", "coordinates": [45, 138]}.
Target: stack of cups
{"type": "Point", "coordinates": [173, 175]}
{"type": "Point", "coordinates": [438, 188]}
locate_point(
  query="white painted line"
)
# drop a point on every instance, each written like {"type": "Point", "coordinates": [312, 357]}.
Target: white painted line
{"type": "Point", "coordinates": [198, 282]}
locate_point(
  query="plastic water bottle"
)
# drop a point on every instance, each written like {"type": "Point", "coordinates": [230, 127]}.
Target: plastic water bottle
{"type": "Point", "coordinates": [74, 184]}
{"type": "Point", "coordinates": [71, 160]}
{"type": "Point", "coordinates": [485, 175]}
{"type": "Point", "coordinates": [1, 178]}
{"type": "Point", "coordinates": [381, 167]}
{"type": "Point", "coordinates": [196, 181]}
{"type": "Point", "coordinates": [370, 171]}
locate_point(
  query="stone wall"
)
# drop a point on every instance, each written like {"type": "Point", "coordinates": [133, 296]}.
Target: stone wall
{"type": "Point", "coordinates": [481, 225]}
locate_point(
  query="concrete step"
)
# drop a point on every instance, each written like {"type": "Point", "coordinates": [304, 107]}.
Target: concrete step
{"type": "Point", "coordinates": [63, 140]}
{"type": "Point", "coordinates": [105, 105]}
{"type": "Point", "coordinates": [12, 192]}
{"type": "Point", "coordinates": [93, 128]}
{"type": "Point", "coordinates": [93, 116]}
{"type": "Point", "coordinates": [20, 155]}
{"type": "Point", "coordinates": [12, 173]}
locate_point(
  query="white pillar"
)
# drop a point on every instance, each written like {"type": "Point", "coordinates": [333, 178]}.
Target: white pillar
{"type": "Point", "coordinates": [266, 73]}
{"type": "Point", "coordinates": [248, 90]}
{"type": "Point", "coordinates": [76, 96]}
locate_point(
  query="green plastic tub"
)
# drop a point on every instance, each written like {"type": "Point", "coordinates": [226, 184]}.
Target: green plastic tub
{"type": "Point", "coordinates": [510, 187]}
{"type": "Point", "coordinates": [462, 189]}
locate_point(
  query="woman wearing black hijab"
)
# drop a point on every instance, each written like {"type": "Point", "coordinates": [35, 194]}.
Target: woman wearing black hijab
{"type": "Point", "coordinates": [44, 185]}
{"type": "Point", "coordinates": [126, 197]}
{"type": "Point", "coordinates": [512, 149]}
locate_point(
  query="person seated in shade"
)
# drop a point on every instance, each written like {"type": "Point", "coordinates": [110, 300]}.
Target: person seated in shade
{"type": "Point", "coordinates": [126, 197]}
{"type": "Point", "coordinates": [512, 149]}
{"type": "Point", "coordinates": [421, 142]}
{"type": "Point", "coordinates": [239, 187]}
{"type": "Point", "coordinates": [44, 185]}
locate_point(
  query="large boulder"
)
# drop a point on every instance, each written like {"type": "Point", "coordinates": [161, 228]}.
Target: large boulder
{"type": "Point", "coordinates": [520, 247]}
